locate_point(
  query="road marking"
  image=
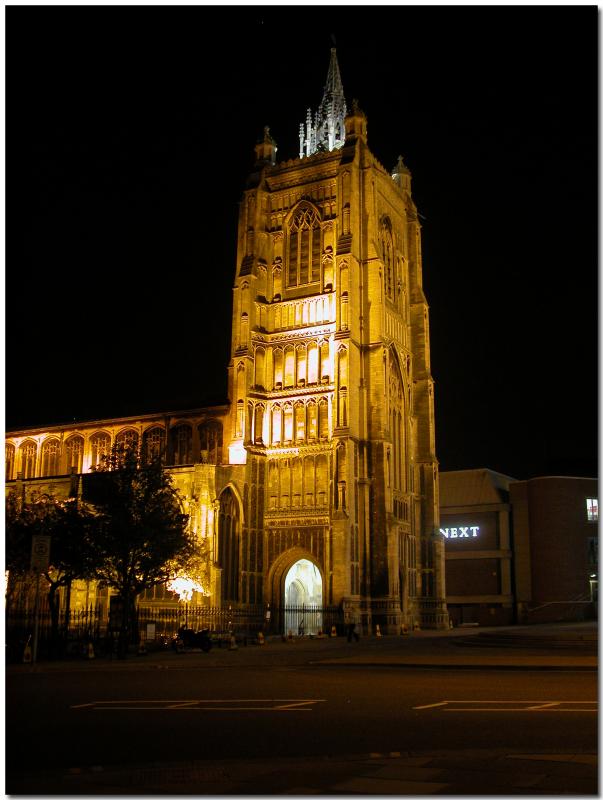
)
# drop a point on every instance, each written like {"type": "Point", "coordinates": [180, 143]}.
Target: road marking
{"type": "Point", "coordinates": [250, 704]}
{"type": "Point", "coordinates": [513, 705]}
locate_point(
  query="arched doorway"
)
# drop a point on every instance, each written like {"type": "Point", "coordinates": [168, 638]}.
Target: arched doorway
{"type": "Point", "coordinates": [303, 598]}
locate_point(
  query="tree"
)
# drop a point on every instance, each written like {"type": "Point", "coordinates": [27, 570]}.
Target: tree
{"type": "Point", "coordinates": [142, 537]}
{"type": "Point", "coordinates": [71, 525]}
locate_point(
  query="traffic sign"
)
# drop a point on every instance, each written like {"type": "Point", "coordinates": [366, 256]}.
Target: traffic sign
{"type": "Point", "coordinates": [40, 553]}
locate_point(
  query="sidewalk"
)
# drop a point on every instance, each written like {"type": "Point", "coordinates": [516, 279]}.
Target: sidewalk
{"type": "Point", "coordinates": [548, 647]}
{"type": "Point", "coordinates": [479, 772]}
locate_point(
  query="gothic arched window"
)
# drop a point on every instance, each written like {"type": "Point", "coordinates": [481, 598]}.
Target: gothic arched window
{"type": "Point", "coordinates": [387, 254]}
{"type": "Point", "coordinates": [304, 247]}
{"type": "Point", "coordinates": [210, 438]}
{"type": "Point", "coordinates": [397, 426]}
{"type": "Point", "coordinates": [100, 445]}
{"type": "Point", "coordinates": [128, 439]}
{"type": "Point", "coordinates": [50, 457]}
{"type": "Point", "coordinates": [182, 444]}
{"type": "Point", "coordinates": [74, 452]}
{"type": "Point", "coordinates": [29, 452]}
{"type": "Point", "coordinates": [10, 461]}
{"type": "Point", "coordinates": [153, 444]}
{"type": "Point", "coordinates": [228, 545]}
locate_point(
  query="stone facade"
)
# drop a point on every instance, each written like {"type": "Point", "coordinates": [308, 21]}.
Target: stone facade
{"type": "Point", "coordinates": [327, 447]}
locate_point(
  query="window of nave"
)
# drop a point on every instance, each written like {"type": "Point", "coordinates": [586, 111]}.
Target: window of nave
{"type": "Point", "coordinates": [10, 461]}
{"type": "Point", "coordinates": [210, 441]}
{"type": "Point", "coordinates": [153, 444]}
{"type": "Point", "coordinates": [28, 452]}
{"type": "Point", "coordinates": [181, 444]}
{"type": "Point", "coordinates": [304, 247]}
{"type": "Point", "coordinates": [128, 439]}
{"type": "Point", "coordinates": [100, 445]}
{"type": "Point", "coordinates": [74, 453]}
{"type": "Point", "coordinates": [50, 457]}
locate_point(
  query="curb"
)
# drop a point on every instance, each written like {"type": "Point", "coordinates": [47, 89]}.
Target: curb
{"type": "Point", "coordinates": [423, 665]}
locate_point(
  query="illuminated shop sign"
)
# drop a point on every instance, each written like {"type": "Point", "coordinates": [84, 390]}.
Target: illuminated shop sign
{"type": "Point", "coordinates": [460, 533]}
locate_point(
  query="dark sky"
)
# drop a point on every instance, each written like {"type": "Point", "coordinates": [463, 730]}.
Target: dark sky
{"type": "Point", "coordinates": [130, 132]}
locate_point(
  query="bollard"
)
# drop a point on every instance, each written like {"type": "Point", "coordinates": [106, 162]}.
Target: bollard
{"type": "Point", "coordinates": [90, 651]}
{"type": "Point", "coordinates": [260, 638]}
{"type": "Point", "coordinates": [27, 654]}
{"type": "Point", "coordinates": [233, 643]}
{"type": "Point", "coordinates": [404, 630]}
{"type": "Point", "coordinates": [377, 631]}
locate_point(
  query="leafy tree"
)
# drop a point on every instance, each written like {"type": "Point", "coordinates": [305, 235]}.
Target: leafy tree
{"type": "Point", "coordinates": [70, 525]}
{"type": "Point", "coordinates": [143, 536]}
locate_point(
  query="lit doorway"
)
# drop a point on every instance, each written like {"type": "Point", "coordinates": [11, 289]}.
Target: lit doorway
{"type": "Point", "coordinates": [303, 598]}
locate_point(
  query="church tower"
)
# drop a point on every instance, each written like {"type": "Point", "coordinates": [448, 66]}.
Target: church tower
{"type": "Point", "coordinates": [332, 439]}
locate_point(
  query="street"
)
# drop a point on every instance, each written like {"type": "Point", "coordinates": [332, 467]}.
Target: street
{"type": "Point", "coordinates": [190, 709]}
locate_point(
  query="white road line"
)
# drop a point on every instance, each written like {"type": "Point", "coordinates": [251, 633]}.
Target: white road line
{"type": "Point", "coordinates": [431, 705]}
{"type": "Point", "coordinates": [230, 704]}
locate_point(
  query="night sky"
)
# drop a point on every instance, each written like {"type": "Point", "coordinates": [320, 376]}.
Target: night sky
{"type": "Point", "coordinates": [129, 135]}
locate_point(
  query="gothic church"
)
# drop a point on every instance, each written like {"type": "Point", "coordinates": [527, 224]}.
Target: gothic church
{"type": "Point", "coordinates": [318, 481]}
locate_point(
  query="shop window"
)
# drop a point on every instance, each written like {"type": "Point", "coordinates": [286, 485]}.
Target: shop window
{"type": "Point", "coordinates": [592, 509]}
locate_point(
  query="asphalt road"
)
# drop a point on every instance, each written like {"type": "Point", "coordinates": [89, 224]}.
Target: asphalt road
{"type": "Point", "coordinates": [72, 719]}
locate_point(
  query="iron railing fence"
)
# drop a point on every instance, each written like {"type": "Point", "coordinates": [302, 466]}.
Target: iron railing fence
{"type": "Point", "coordinates": [75, 629]}
{"type": "Point", "coordinates": [79, 628]}
{"type": "Point", "coordinates": [306, 620]}
{"type": "Point", "coordinates": [241, 620]}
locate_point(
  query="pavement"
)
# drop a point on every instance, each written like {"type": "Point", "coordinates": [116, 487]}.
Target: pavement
{"type": "Point", "coordinates": [569, 646]}
{"type": "Point", "coordinates": [458, 772]}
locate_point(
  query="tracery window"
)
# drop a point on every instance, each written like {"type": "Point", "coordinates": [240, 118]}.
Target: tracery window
{"type": "Point", "coordinates": [304, 247]}
{"type": "Point", "coordinates": [387, 254]}
{"type": "Point", "coordinates": [50, 457]}
{"type": "Point", "coordinates": [127, 439]}
{"type": "Point", "coordinates": [100, 445]}
{"type": "Point", "coordinates": [182, 444]}
{"type": "Point", "coordinates": [228, 545]}
{"type": "Point", "coordinates": [397, 426]}
{"type": "Point", "coordinates": [153, 444]}
{"type": "Point", "coordinates": [210, 438]}
{"type": "Point", "coordinates": [10, 461]}
{"type": "Point", "coordinates": [74, 454]}
{"type": "Point", "coordinates": [29, 452]}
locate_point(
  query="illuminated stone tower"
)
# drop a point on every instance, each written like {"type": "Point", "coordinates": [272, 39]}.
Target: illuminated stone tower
{"type": "Point", "coordinates": [332, 410]}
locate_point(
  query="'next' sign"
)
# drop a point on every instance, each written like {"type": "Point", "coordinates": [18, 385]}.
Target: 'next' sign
{"type": "Point", "coordinates": [460, 533]}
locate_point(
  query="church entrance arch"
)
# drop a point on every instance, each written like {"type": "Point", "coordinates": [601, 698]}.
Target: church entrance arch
{"type": "Point", "coordinates": [303, 598]}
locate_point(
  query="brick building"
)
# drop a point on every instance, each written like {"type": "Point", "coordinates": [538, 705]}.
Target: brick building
{"type": "Point", "coordinates": [519, 551]}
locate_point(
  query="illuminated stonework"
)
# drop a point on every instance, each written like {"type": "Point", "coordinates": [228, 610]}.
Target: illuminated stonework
{"type": "Point", "coordinates": [326, 450]}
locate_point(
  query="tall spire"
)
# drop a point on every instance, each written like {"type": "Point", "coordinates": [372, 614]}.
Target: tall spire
{"type": "Point", "coordinates": [326, 131]}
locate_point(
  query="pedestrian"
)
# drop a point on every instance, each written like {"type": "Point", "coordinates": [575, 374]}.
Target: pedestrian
{"type": "Point", "coordinates": [300, 630]}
